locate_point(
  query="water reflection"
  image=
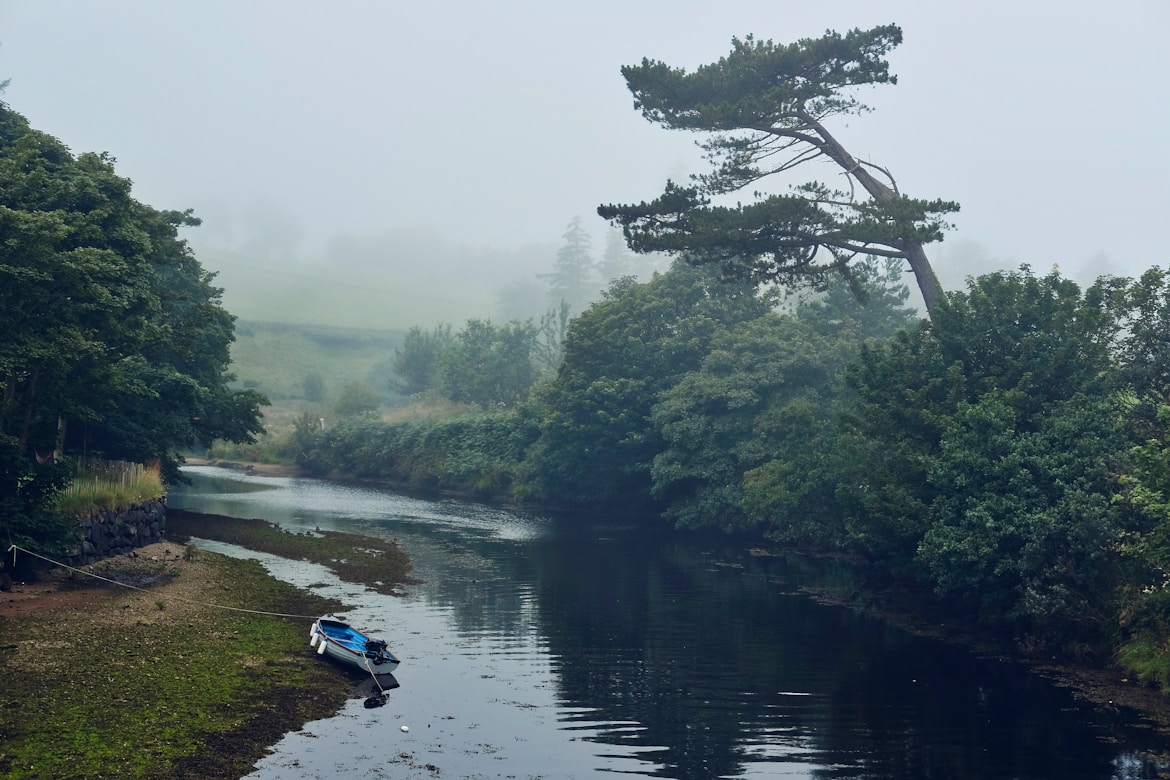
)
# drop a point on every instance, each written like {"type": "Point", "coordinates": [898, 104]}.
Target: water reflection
{"type": "Point", "coordinates": [544, 647]}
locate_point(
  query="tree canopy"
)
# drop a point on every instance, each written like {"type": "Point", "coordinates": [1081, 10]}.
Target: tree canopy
{"type": "Point", "coordinates": [573, 279]}
{"type": "Point", "coordinates": [115, 341]}
{"type": "Point", "coordinates": [765, 106]}
{"type": "Point", "coordinates": [596, 442]}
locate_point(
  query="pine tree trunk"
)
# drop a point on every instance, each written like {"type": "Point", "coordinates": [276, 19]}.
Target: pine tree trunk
{"type": "Point", "coordinates": [924, 274]}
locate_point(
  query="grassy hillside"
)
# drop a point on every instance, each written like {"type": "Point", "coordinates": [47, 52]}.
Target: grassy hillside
{"type": "Point", "coordinates": [366, 287]}
{"type": "Point", "coordinates": [275, 357]}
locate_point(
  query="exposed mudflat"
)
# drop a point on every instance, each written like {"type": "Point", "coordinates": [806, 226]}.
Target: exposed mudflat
{"type": "Point", "coordinates": [201, 685]}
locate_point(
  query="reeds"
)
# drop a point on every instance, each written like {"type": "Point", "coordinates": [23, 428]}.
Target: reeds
{"type": "Point", "coordinates": [110, 483]}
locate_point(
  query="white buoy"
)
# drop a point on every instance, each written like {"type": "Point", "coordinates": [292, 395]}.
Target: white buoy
{"type": "Point", "coordinates": [321, 649]}
{"type": "Point", "coordinates": [313, 641]}
{"type": "Point", "coordinates": [405, 729]}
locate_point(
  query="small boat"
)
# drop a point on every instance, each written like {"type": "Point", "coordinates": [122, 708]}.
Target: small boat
{"type": "Point", "coordinates": [345, 643]}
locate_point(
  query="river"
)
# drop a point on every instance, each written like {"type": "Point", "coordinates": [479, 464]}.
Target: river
{"type": "Point", "coordinates": [544, 647]}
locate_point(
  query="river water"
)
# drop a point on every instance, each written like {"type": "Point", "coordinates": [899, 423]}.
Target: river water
{"type": "Point", "coordinates": [541, 647]}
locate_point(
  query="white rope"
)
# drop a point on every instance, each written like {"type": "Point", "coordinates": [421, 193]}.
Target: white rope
{"type": "Point", "coordinates": [14, 548]}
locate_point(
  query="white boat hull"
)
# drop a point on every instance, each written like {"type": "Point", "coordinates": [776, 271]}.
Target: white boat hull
{"type": "Point", "coordinates": [346, 645]}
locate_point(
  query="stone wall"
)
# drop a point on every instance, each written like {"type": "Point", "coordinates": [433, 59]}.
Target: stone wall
{"type": "Point", "coordinates": [109, 532]}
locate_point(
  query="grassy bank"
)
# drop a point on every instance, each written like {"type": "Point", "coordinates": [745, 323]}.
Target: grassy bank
{"type": "Point", "coordinates": [377, 564]}
{"type": "Point", "coordinates": [104, 682]}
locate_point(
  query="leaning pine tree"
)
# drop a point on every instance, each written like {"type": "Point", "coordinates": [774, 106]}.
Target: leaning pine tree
{"type": "Point", "coordinates": [765, 106]}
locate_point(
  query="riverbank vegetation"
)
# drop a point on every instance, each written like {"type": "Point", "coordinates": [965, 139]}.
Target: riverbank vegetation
{"type": "Point", "coordinates": [1008, 455]}
{"type": "Point", "coordinates": [379, 565]}
{"type": "Point", "coordinates": [100, 483]}
{"type": "Point", "coordinates": [114, 341]}
{"type": "Point", "coordinates": [199, 692]}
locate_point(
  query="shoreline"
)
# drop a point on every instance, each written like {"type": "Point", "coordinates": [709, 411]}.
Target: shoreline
{"type": "Point", "coordinates": [1103, 685]}
{"type": "Point", "coordinates": [200, 692]}
{"type": "Point", "coordinates": [249, 467]}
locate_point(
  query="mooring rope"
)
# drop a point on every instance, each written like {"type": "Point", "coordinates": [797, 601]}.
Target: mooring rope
{"type": "Point", "coordinates": [373, 701]}
{"type": "Point", "coordinates": [14, 548]}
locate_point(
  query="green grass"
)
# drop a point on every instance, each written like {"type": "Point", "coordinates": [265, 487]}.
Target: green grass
{"type": "Point", "coordinates": [275, 358]}
{"type": "Point", "coordinates": [377, 564]}
{"type": "Point", "coordinates": [112, 485]}
{"type": "Point", "coordinates": [196, 698]}
{"type": "Point", "coordinates": [1148, 659]}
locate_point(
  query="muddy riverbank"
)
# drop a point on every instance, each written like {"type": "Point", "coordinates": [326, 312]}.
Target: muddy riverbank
{"type": "Point", "coordinates": [200, 689]}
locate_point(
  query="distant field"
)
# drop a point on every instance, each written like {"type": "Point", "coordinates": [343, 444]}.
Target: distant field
{"type": "Point", "coordinates": [275, 357]}
{"type": "Point", "coordinates": [393, 295]}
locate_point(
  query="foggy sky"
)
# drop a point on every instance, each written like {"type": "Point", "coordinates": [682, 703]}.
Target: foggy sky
{"type": "Point", "coordinates": [286, 124]}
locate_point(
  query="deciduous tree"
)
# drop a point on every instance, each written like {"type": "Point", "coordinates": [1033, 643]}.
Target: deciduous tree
{"type": "Point", "coordinates": [416, 362]}
{"type": "Point", "coordinates": [490, 366]}
{"type": "Point", "coordinates": [766, 395]}
{"type": "Point", "coordinates": [597, 442]}
{"type": "Point", "coordinates": [983, 450]}
{"type": "Point", "coordinates": [356, 399]}
{"type": "Point", "coordinates": [114, 337]}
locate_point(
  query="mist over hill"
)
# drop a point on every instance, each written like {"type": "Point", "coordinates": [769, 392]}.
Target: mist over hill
{"type": "Point", "coordinates": [388, 280]}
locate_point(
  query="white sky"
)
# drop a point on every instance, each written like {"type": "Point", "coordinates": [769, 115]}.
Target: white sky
{"type": "Point", "coordinates": [494, 124]}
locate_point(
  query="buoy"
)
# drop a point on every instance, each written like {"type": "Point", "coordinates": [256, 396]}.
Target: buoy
{"type": "Point", "coordinates": [321, 649]}
{"type": "Point", "coordinates": [313, 630]}
{"type": "Point", "coordinates": [405, 729]}
{"type": "Point", "coordinates": [313, 641]}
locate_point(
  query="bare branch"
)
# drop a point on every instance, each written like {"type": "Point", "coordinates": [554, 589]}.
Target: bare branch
{"type": "Point", "coordinates": [889, 176]}
{"type": "Point", "coordinates": [864, 249]}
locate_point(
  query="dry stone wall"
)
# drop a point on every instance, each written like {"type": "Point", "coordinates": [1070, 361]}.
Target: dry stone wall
{"type": "Point", "coordinates": [109, 532]}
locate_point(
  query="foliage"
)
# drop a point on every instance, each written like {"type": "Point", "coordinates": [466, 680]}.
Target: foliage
{"type": "Point", "coordinates": [597, 442]}
{"type": "Point", "coordinates": [1004, 453]}
{"type": "Point", "coordinates": [109, 484]}
{"type": "Point", "coordinates": [730, 416]}
{"type": "Point", "coordinates": [1148, 484]}
{"type": "Point", "coordinates": [27, 490]}
{"type": "Point", "coordinates": [355, 399]}
{"type": "Point", "coordinates": [572, 280]}
{"type": "Point", "coordinates": [115, 340]}
{"type": "Point", "coordinates": [478, 454]}
{"type": "Point", "coordinates": [764, 106]}
{"type": "Point", "coordinates": [983, 448]}
{"type": "Point", "coordinates": [752, 421]}
{"type": "Point", "coordinates": [1023, 524]}
{"type": "Point", "coordinates": [416, 362]}
{"type": "Point", "coordinates": [314, 387]}
{"type": "Point", "coordinates": [550, 344]}
{"type": "Point", "coordinates": [616, 260]}
{"type": "Point", "coordinates": [1145, 348]}
{"type": "Point", "coordinates": [1146, 614]}
{"type": "Point", "coordinates": [489, 365]}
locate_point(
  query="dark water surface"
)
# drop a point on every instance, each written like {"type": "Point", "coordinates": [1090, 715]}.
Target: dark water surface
{"type": "Point", "coordinates": [547, 648]}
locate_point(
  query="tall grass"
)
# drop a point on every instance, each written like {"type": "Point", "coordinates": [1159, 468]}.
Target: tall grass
{"type": "Point", "coordinates": [110, 483]}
